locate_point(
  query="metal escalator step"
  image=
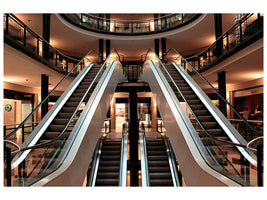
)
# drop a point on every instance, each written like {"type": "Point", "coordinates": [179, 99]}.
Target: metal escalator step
{"type": "Point", "coordinates": [157, 152]}
{"type": "Point", "coordinates": [74, 99]}
{"type": "Point", "coordinates": [158, 163]}
{"type": "Point", "coordinates": [190, 97]}
{"type": "Point", "coordinates": [158, 157]}
{"type": "Point", "coordinates": [161, 182]}
{"type": "Point", "coordinates": [198, 107]}
{"type": "Point", "coordinates": [108, 168]}
{"type": "Point", "coordinates": [80, 90]}
{"type": "Point", "coordinates": [111, 147]}
{"type": "Point", "coordinates": [58, 128]}
{"type": "Point", "coordinates": [71, 104]}
{"type": "Point", "coordinates": [67, 109]}
{"type": "Point", "coordinates": [205, 118]}
{"type": "Point", "coordinates": [201, 112]}
{"type": "Point", "coordinates": [77, 95]}
{"type": "Point", "coordinates": [155, 143]}
{"type": "Point", "coordinates": [159, 175]}
{"type": "Point", "coordinates": [108, 175]}
{"type": "Point", "coordinates": [109, 162]}
{"type": "Point", "coordinates": [209, 125]}
{"type": "Point", "coordinates": [64, 115]}
{"type": "Point", "coordinates": [110, 157]}
{"type": "Point", "coordinates": [215, 132]}
{"type": "Point", "coordinates": [193, 101]}
{"type": "Point", "coordinates": [110, 152]}
{"type": "Point", "coordinates": [51, 135]}
{"type": "Point", "coordinates": [60, 121]}
{"type": "Point", "coordinates": [107, 182]}
{"type": "Point", "coordinates": [155, 148]}
{"type": "Point", "coordinates": [159, 169]}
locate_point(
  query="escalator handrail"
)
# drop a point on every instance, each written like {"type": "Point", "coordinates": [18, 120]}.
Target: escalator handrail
{"type": "Point", "coordinates": [69, 121]}
{"type": "Point", "coordinates": [73, 114]}
{"type": "Point", "coordinates": [171, 159]}
{"type": "Point", "coordinates": [123, 158]}
{"type": "Point", "coordinates": [62, 132]}
{"type": "Point", "coordinates": [144, 161]}
{"type": "Point", "coordinates": [95, 163]}
{"type": "Point", "coordinates": [214, 89]}
{"type": "Point", "coordinates": [50, 93]}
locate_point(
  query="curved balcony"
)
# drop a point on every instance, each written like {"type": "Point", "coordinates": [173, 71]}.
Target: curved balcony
{"type": "Point", "coordinates": [243, 33]}
{"type": "Point", "coordinates": [129, 27]}
{"type": "Point", "coordinates": [20, 36]}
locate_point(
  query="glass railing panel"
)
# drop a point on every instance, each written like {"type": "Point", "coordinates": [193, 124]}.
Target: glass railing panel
{"type": "Point", "coordinates": [15, 30]}
{"type": "Point", "coordinates": [31, 41]}
{"type": "Point", "coordinates": [138, 26]}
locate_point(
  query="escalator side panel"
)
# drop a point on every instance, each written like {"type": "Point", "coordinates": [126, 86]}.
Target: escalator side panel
{"type": "Point", "coordinates": [194, 169]}
{"type": "Point", "coordinates": [85, 133]}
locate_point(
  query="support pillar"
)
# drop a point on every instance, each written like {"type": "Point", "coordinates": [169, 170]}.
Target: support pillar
{"type": "Point", "coordinates": [44, 94]}
{"type": "Point", "coordinates": [101, 49]}
{"type": "Point", "coordinates": [133, 137]}
{"type": "Point", "coordinates": [222, 91]}
{"type": "Point", "coordinates": [163, 47]}
{"type": "Point", "coordinates": [156, 23]}
{"type": "Point", "coordinates": [157, 46]}
{"type": "Point", "coordinates": [218, 33]}
{"type": "Point", "coordinates": [107, 47]}
{"type": "Point", "coordinates": [46, 35]}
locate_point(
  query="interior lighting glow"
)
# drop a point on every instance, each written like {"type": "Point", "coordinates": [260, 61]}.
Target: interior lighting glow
{"type": "Point", "coordinates": [152, 26]}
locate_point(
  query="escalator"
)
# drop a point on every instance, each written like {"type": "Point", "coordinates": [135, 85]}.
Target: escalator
{"type": "Point", "coordinates": [45, 154]}
{"type": "Point", "coordinates": [109, 164]}
{"type": "Point", "coordinates": [53, 150]}
{"type": "Point", "coordinates": [201, 131]}
{"type": "Point", "coordinates": [158, 164]}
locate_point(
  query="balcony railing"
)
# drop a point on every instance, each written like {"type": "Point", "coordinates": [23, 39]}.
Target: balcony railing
{"type": "Point", "coordinates": [129, 27]}
{"type": "Point", "coordinates": [22, 35]}
{"type": "Point", "coordinates": [249, 27]}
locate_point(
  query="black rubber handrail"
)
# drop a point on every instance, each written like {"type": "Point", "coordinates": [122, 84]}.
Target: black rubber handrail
{"type": "Point", "coordinates": [38, 106]}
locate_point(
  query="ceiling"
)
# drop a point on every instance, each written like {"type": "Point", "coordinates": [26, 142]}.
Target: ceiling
{"type": "Point", "coordinates": [189, 39]}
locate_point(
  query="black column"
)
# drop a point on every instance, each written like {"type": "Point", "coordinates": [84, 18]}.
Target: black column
{"type": "Point", "coordinates": [157, 46]}
{"type": "Point", "coordinates": [101, 49]}
{"type": "Point", "coordinates": [44, 94]}
{"type": "Point", "coordinates": [133, 137]}
{"type": "Point", "coordinates": [46, 35]}
{"type": "Point", "coordinates": [163, 47]}
{"type": "Point", "coordinates": [218, 33]}
{"type": "Point", "coordinates": [222, 91]}
{"type": "Point", "coordinates": [107, 22]}
{"type": "Point", "coordinates": [100, 21]}
{"type": "Point", "coordinates": [163, 21]}
{"type": "Point", "coordinates": [156, 23]}
{"type": "Point", "coordinates": [107, 47]}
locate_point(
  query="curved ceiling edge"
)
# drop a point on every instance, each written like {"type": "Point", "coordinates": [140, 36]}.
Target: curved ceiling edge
{"type": "Point", "coordinates": [132, 37]}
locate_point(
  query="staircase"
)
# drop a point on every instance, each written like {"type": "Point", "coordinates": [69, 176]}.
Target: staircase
{"type": "Point", "coordinates": [109, 165]}
{"type": "Point", "coordinates": [158, 164]}
{"type": "Point", "coordinates": [39, 160]}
